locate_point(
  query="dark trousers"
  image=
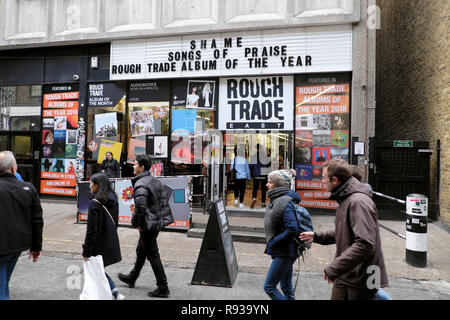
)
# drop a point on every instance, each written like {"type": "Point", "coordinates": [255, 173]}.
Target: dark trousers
{"type": "Point", "coordinates": [148, 249]}
{"type": "Point", "coordinates": [347, 293]}
{"type": "Point", "coordinates": [239, 189]}
{"type": "Point", "coordinates": [256, 183]}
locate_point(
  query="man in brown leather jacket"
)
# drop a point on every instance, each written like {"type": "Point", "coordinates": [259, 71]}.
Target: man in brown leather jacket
{"type": "Point", "coordinates": [358, 269]}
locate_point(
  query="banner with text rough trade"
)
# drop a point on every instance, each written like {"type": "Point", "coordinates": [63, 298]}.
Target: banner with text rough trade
{"type": "Point", "coordinates": [322, 132]}
{"type": "Point", "coordinates": [259, 103]}
{"type": "Point", "coordinates": [59, 140]}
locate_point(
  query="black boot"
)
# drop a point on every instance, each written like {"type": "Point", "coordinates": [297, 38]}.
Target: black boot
{"type": "Point", "coordinates": [160, 292]}
{"type": "Point", "coordinates": [129, 279]}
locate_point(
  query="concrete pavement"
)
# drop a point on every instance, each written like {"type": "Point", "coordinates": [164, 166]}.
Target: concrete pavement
{"type": "Point", "coordinates": [52, 276]}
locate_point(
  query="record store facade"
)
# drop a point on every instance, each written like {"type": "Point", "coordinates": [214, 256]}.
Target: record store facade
{"type": "Point", "coordinates": [185, 86]}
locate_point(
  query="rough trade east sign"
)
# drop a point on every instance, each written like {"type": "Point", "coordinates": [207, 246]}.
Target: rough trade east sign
{"type": "Point", "coordinates": [260, 103]}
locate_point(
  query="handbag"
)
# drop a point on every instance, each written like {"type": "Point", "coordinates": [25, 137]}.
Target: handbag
{"type": "Point", "coordinates": [96, 286]}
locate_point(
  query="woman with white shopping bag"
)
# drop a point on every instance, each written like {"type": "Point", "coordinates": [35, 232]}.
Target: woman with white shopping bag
{"type": "Point", "coordinates": [101, 246]}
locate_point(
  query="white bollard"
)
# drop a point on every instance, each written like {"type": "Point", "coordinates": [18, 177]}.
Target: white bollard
{"type": "Point", "coordinates": [416, 230]}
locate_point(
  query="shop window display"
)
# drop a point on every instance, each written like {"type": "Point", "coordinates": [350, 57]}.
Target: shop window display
{"type": "Point", "coordinates": [322, 131]}
{"type": "Point", "coordinates": [105, 124]}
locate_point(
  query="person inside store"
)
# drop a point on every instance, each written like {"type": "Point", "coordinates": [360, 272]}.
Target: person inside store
{"type": "Point", "coordinates": [240, 164]}
{"type": "Point", "coordinates": [260, 167]}
{"type": "Point", "coordinates": [110, 166]}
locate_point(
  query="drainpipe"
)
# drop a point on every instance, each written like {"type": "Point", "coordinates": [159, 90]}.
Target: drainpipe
{"type": "Point", "coordinates": [366, 94]}
{"type": "Point", "coordinates": [438, 182]}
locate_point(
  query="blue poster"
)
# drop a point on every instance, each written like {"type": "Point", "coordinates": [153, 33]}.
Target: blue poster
{"type": "Point", "coordinates": [184, 119]}
{"type": "Point", "coordinates": [304, 171]}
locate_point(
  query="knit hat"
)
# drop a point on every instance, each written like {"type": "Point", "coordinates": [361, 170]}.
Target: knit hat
{"type": "Point", "coordinates": [281, 178]}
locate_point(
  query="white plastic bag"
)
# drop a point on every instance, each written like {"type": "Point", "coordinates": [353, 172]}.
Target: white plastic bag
{"type": "Point", "coordinates": [96, 286]}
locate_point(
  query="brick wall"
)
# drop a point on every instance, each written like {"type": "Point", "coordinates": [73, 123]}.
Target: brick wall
{"type": "Point", "coordinates": [413, 81]}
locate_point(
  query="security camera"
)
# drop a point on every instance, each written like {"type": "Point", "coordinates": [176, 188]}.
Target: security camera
{"type": "Point", "coordinates": [76, 77]}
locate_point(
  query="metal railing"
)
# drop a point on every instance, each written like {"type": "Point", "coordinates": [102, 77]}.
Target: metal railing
{"type": "Point", "coordinates": [396, 200]}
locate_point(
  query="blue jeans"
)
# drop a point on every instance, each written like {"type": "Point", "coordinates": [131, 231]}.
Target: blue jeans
{"type": "Point", "coordinates": [280, 271]}
{"type": "Point", "coordinates": [7, 264]}
{"type": "Point", "coordinates": [111, 283]}
{"type": "Point", "coordinates": [382, 295]}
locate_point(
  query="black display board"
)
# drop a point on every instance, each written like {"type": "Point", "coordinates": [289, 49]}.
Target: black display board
{"type": "Point", "coordinates": [217, 263]}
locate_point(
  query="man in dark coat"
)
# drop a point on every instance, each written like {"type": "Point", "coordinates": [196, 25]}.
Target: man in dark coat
{"type": "Point", "coordinates": [152, 213]}
{"type": "Point", "coordinates": [21, 220]}
{"type": "Point", "coordinates": [358, 269]}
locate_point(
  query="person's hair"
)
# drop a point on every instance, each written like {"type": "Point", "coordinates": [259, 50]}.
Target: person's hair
{"type": "Point", "coordinates": [144, 160]}
{"type": "Point", "coordinates": [104, 186]}
{"type": "Point", "coordinates": [7, 161]}
{"type": "Point", "coordinates": [338, 168]}
{"type": "Point", "coordinates": [109, 153]}
{"type": "Point", "coordinates": [357, 172]}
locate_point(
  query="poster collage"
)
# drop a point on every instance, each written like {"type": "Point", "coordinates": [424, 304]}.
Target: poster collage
{"type": "Point", "coordinates": [193, 104]}
{"type": "Point", "coordinates": [322, 133]}
{"type": "Point", "coordinates": [149, 122]}
{"type": "Point", "coordinates": [59, 160]}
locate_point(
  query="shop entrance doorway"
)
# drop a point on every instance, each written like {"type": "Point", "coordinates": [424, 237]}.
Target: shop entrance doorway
{"type": "Point", "coordinates": [275, 152]}
{"type": "Point", "coordinates": [25, 147]}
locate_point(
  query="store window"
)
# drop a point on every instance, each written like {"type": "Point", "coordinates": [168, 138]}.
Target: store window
{"type": "Point", "coordinates": [193, 113]}
{"type": "Point", "coordinates": [20, 108]}
{"type": "Point", "coordinates": [322, 131]}
{"type": "Point", "coordinates": [148, 124]}
{"type": "Point", "coordinates": [105, 124]}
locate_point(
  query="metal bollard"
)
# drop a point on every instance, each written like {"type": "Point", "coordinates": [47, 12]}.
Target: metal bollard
{"type": "Point", "coordinates": [416, 230]}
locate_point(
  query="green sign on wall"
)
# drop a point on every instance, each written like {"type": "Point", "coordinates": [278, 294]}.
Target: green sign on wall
{"type": "Point", "coordinates": [403, 143]}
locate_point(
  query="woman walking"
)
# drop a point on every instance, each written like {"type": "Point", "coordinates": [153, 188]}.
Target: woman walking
{"type": "Point", "coordinates": [281, 228]}
{"type": "Point", "coordinates": [101, 232]}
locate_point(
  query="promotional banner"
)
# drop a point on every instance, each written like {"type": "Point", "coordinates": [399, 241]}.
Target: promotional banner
{"type": "Point", "coordinates": [260, 103]}
{"type": "Point", "coordinates": [124, 192]}
{"type": "Point", "coordinates": [322, 132]}
{"type": "Point", "coordinates": [59, 162]}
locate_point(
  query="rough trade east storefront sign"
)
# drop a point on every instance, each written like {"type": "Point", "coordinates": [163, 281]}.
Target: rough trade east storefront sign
{"type": "Point", "coordinates": [261, 103]}
{"type": "Point", "coordinates": [288, 51]}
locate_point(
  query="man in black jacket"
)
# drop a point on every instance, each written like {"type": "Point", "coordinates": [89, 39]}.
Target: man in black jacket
{"type": "Point", "coordinates": [21, 220]}
{"type": "Point", "coordinates": [151, 214]}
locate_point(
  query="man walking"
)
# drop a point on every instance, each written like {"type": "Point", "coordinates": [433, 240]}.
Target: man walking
{"type": "Point", "coordinates": [151, 214]}
{"type": "Point", "coordinates": [21, 220]}
{"type": "Point", "coordinates": [358, 269]}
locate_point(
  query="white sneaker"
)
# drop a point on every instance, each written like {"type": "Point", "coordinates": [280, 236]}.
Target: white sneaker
{"type": "Point", "coordinates": [235, 203]}
{"type": "Point", "coordinates": [120, 297]}
{"type": "Point", "coordinates": [241, 205]}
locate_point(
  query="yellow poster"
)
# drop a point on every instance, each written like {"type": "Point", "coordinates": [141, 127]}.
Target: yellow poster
{"type": "Point", "coordinates": [113, 146]}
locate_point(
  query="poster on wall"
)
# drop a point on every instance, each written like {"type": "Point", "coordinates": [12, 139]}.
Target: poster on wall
{"type": "Point", "coordinates": [156, 146]}
{"type": "Point", "coordinates": [109, 146]}
{"type": "Point", "coordinates": [322, 132]}
{"type": "Point", "coordinates": [124, 192]}
{"type": "Point", "coordinates": [59, 156]}
{"type": "Point", "coordinates": [142, 123]}
{"type": "Point", "coordinates": [261, 103]}
{"type": "Point", "coordinates": [106, 126]}
{"type": "Point", "coordinates": [200, 94]}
